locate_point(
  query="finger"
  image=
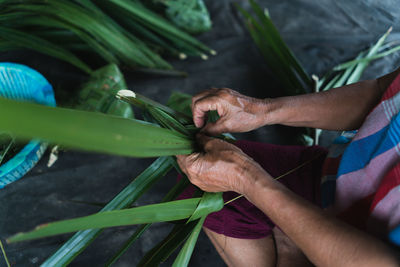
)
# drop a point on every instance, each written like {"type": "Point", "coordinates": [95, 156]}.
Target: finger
{"type": "Point", "coordinates": [202, 95]}
{"type": "Point", "coordinates": [201, 107]}
{"type": "Point", "coordinates": [186, 161]}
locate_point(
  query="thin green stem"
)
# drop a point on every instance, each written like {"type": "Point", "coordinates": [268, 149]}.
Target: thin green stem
{"type": "Point", "coordinates": [4, 254]}
{"type": "Point", "coordinates": [4, 153]}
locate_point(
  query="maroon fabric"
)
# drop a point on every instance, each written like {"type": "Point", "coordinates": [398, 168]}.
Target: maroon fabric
{"type": "Point", "coordinates": [240, 218]}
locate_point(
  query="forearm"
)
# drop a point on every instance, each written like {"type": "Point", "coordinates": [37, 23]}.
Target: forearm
{"type": "Point", "coordinates": [343, 108]}
{"type": "Point", "coordinates": [324, 240]}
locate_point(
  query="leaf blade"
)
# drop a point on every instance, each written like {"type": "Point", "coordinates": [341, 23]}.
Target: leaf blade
{"type": "Point", "coordinates": [168, 211]}
{"type": "Point", "coordinates": [90, 131]}
{"type": "Point", "coordinates": [79, 241]}
{"type": "Point", "coordinates": [186, 252]}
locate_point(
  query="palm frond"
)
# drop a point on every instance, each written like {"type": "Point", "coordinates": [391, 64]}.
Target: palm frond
{"type": "Point", "coordinates": [94, 28]}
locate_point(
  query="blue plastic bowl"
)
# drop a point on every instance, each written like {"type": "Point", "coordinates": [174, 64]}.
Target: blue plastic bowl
{"type": "Point", "coordinates": [23, 83]}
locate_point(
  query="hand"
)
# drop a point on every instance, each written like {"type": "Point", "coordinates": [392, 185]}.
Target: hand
{"type": "Point", "coordinates": [221, 167]}
{"type": "Point", "coordinates": [238, 113]}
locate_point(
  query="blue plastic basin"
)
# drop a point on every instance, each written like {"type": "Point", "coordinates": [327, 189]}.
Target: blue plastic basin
{"type": "Point", "coordinates": [23, 83]}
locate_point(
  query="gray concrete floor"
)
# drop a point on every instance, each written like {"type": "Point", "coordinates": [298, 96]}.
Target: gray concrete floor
{"type": "Point", "coordinates": [321, 33]}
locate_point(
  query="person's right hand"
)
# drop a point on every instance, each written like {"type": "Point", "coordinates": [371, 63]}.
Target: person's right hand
{"type": "Point", "coordinates": [238, 113]}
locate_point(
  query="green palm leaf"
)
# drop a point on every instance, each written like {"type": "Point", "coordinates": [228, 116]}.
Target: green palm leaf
{"type": "Point", "coordinates": [91, 131]}
{"type": "Point", "coordinates": [79, 241]}
{"type": "Point", "coordinates": [186, 252]}
{"type": "Point", "coordinates": [163, 212]}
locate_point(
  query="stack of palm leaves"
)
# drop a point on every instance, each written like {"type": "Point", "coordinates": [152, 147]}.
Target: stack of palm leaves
{"type": "Point", "coordinates": [118, 31]}
{"type": "Point", "coordinates": [168, 131]}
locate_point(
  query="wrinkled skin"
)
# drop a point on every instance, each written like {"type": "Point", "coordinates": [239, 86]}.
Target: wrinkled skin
{"type": "Point", "coordinates": [238, 113]}
{"type": "Point", "coordinates": [220, 167]}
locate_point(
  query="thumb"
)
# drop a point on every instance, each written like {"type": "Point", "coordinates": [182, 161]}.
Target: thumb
{"type": "Point", "coordinates": [185, 161]}
{"type": "Point", "coordinates": [181, 160]}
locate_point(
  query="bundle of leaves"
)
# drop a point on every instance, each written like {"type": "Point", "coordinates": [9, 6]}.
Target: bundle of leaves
{"type": "Point", "coordinates": [117, 31]}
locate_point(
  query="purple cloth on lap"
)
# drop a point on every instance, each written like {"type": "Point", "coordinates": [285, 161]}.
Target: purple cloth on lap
{"type": "Point", "coordinates": [240, 218]}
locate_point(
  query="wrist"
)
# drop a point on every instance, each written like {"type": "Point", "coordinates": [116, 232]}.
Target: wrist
{"type": "Point", "coordinates": [253, 177]}
{"type": "Point", "coordinates": [269, 111]}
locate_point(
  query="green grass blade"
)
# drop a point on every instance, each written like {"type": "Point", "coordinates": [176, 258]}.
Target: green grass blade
{"type": "Point", "coordinates": [77, 243]}
{"type": "Point", "coordinates": [21, 39]}
{"type": "Point", "coordinates": [186, 252]}
{"type": "Point", "coordinates": [169, 211]}
{"type": "Point", "coordinates": [90, 131]}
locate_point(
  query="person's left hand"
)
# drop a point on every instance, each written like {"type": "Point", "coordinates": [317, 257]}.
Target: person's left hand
{"type": "Point", "coordinates": [221, 167]}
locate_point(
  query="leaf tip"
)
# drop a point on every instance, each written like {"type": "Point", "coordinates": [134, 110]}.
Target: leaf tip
{"type": "Point", "coordinates": [182, 56]}
{"type": "Point", "coordinates": [125, 93]}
